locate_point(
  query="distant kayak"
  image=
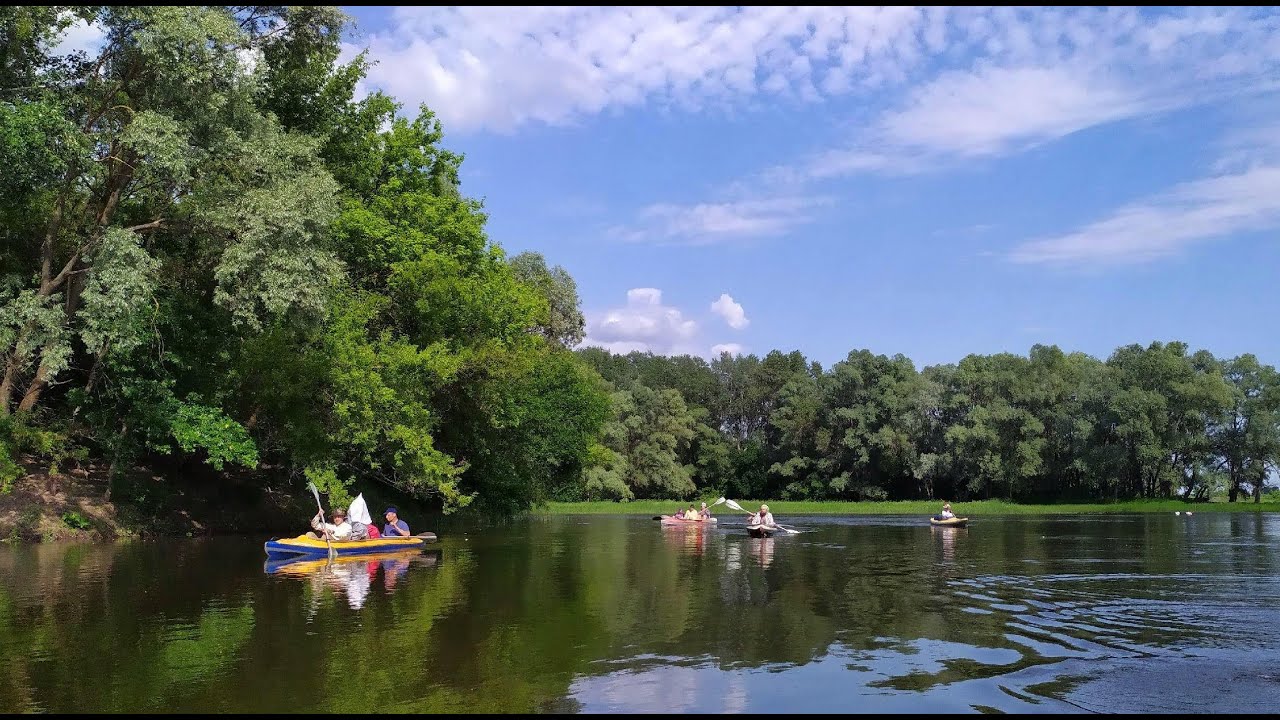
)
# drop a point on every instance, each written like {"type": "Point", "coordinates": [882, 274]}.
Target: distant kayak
{"type": "Point", "coordinates": [761, 532]}
{"type": "Point", "coordinates": [953, 522]}
{"type": "Point", "coordinates": [673, 520]}
{"type": "Point", "coordinates": [303, 545]}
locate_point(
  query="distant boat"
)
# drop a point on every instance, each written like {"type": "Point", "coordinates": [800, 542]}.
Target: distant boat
{"type": "Point", "coordinates": [952, 522]}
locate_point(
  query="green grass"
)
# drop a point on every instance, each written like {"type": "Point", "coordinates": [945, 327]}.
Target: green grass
{"type": "Point", "coordinates": [905, 507]}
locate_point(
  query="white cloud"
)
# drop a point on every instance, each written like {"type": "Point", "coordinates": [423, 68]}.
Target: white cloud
{"type": "Point", "coordinates": [1009, 74]}
{"type": "Point", "coordinates": [943, 86]}
{"type": "Point", "coordinates": [1166, 224]}
{"type": "Point", "coordinates": [963, 84]}
{"type": "Point", "coordinates": [498, 68]}
{"type": "Point", "coordinates": [645, 324]}
{"type": "Point", "coordinates": [731, 311]}
{"type": "Point", "coordinates": [707, 223]}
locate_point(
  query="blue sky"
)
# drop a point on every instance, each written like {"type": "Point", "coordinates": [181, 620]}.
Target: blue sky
{"type": "Point", "coordinates": [931, 182]}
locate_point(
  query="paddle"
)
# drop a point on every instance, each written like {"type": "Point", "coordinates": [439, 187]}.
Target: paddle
{"type": "Point", "coordinates": [329, 543]}
{"type": "Point", "coordinates": [735, 506]}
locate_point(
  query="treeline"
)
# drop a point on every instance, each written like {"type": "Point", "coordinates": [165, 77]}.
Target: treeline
{"type": "Point", "coordinates": [216, 258]}
{"type": "Point", "coordinates": [1148, 422]}
{"type": "Point", "coordinates": [212, 253]}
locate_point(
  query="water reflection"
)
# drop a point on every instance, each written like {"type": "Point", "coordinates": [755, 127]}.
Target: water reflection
{"type": "Point", "coordinates": [762, 550]}
{"type": "Point", "coordinates": [690, 538]}
{"type": "Point", "coordinates": [352, 576]}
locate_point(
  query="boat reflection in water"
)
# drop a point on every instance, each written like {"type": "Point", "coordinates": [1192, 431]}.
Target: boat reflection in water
{"type": "Point", "coordinates": [762, 550]}
{"type": "Point", "coordinates": [353, 576]}
{"type": "Point", "coordinates": [689, 537]}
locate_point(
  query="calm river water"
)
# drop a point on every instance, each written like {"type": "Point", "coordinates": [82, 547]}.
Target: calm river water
{"type": "Point", "coordinates": [1151, 613]}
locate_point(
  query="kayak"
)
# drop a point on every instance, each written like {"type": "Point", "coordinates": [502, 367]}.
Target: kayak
{"type": "Point", "coordinates": [673, 520]}
{"type": "Point", "coordinates": [303, 545]}
{"type": "Point", "coordinates": [953, 522]}
{"type": "Point", "coordinates": [761, 532]}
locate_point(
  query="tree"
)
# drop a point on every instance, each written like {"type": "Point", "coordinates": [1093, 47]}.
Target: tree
{"type": "Point", "coordinates": [564, 323]}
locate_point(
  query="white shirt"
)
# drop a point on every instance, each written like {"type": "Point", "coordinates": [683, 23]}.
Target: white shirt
{"type": "Point", "coordinates": [341, 531]}
{"type": "Point", "coordinates": [947, 514]}
{"type": "Point", "coordinates": [766, 520]}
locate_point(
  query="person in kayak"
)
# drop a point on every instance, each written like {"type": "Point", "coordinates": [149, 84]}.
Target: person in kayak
{"type": "Point", "coordinates": [691, 514]}
{"type": "Point", "coordinates": [339, 529]}
{"type": "Point", "coordinates": [763, 518]}
{"type": "Point", "coordinates": [946, 513]}
{"type": "Point", "coordinates": [395, 527]}
{"type": "Point", "coordinates": [704, 513]}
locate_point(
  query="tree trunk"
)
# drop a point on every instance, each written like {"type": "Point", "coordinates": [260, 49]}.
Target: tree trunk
{"type": "Point", "coordinates": [38, 384]}
{"type": "Point", "coordinates": [6, 385]}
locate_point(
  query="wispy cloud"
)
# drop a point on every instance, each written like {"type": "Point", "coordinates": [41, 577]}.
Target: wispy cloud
{"type": "Point", "coordinates": [500, 68]}
{"type": "Point", "coordinates": [1166, 224]}
{"type": "Point", "coordinates": [705, 223]}
{"type": "Point", "coordinates": [991, 111]}
{"type": "Point", "coordinates": [722, 348]}
{"type": "Point", "coordinates": [982, 84]}
{"type": "Point", "coordinates": [952, 86]}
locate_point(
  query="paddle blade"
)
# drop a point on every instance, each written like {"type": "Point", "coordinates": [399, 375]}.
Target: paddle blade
{"type": "Point", "coordinates": [733, 505]}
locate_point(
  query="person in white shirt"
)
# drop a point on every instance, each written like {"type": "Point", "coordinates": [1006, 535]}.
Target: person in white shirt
{"type": "Point", "coordinates": [339, 529]}
{"type": "Point", "coordinates": [946, 513]}
{"type": "Point", "coordinates": [764, 517]}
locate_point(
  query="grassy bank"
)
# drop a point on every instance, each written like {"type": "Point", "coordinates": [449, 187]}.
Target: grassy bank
{"type": "Point", "coordinates": [908, 507]}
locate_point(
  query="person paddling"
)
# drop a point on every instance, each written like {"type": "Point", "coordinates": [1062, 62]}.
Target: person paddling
{"type": "Point", "coordinates": [339, 529]}
{"type": "Point", "coordinates": [705, 512]}
{"type": "Point", "coordinates": [764, 518]}
{"type": "Point", "coordinates": [946, 513]}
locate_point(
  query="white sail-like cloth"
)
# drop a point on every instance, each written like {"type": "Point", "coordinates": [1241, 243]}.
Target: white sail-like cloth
{"type": "Point", "coordinates": [359, 511]}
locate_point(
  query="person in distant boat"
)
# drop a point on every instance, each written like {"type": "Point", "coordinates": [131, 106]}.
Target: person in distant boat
{"type": "Point", "coordinates": [946, 513]}
{"type": "Point", "coordinates": [339, 529]}
{"type": "Point", "coordinates": [395, 527]}
{"type": "Point", "coordinates": [704, 513]}
{"type": "Point", "coordinates": [764, 517]}
{"type": "Point", "coordinates": [691, 513]}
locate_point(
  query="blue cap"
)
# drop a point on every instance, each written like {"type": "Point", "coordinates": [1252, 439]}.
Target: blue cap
{"type": "Point", "coordinates": [390, 509]}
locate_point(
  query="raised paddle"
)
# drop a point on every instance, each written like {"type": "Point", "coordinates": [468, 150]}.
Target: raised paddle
{"type": "Point", "coordinates": [329, 543]}
{"type": "Point", "coordinates": [735, 506]}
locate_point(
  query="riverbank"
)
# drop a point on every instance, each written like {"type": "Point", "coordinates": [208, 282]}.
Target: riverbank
{"type": "Point", "coordinates": [905, 507]}
{"type": "Point", "coordinates": [76, 505]}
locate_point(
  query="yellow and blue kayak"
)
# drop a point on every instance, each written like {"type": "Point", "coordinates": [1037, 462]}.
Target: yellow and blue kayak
{"type": "Point", "coordinates": [303, 545]}
{"type": "Point", "coordinates": [953, 522]}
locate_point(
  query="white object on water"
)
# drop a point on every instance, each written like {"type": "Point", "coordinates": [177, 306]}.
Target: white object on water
{"type": "Point", "coordinates": [1177, 512]}
{"type": "Point", "coordinates": [1188, 513]}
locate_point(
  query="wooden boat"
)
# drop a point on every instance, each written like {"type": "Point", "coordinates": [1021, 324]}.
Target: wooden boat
{"type": "Point", "coordinates": [673, 520]}
{"type": "Point", "coordinates": [953, 522]}
{"type": "Point", "coordinates": [760, 531]}
{"type": "Point", "coordinates": [303, 545]}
